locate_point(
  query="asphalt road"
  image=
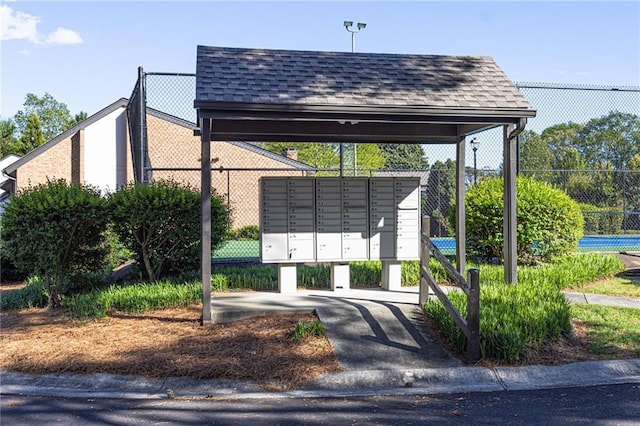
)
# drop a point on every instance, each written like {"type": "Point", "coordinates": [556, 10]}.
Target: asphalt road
{"type": "Point", "coordinates": [598, 405]}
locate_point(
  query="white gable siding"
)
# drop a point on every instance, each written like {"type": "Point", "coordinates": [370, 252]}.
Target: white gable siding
{"type": "Point", "coordinates": [105, 152]}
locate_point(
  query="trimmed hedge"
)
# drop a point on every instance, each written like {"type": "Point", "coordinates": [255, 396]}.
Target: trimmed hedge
{"type": "Point", "coordinates": [160, 224]}
{"type": "Point", "coordinates": [55, 230]}
{"type": "Point", "coordinates": [549, 222]}
{"type": "Point", "coordinates": [602, 220]}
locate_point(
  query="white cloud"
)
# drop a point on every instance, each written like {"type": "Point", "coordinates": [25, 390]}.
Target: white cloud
{"type": "Point", "coordinates": [16, 25]}
{"type": "Point", "coordinates": [63, 36]}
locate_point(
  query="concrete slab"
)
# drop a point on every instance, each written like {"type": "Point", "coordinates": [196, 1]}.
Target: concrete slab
{"type": "Point", "coordinates": [366, 328]}
{"type": "Point", "coordinates": [600, 299]}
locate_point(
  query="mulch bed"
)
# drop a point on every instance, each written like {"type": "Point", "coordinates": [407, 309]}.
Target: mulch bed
{"type": "Point", "coordinates": [166, 343]}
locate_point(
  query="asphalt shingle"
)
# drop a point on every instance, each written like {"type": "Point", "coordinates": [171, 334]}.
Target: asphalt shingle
{"type": "Point", "coordinates": [358, 79]}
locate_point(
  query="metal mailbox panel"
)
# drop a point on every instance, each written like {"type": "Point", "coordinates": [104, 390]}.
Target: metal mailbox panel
{"type": "Point", "coordinates": [382, 245]}
{"type": "Point", "coordinates": [355, 249]}
{"type": "Point", "coordinates": [273, 245]}
{"type": "Point", "coordinates": [329, 245]}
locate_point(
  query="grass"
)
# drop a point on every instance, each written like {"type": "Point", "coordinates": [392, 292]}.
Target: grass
{"type": "Point", "coordinates": [516, 318]}
{"type": "Point", "coordinates": [614, 286]}
{"type": "Point", "coordinates": [304, 329]}
{"type": "Point", "coordinates": [613, 332]}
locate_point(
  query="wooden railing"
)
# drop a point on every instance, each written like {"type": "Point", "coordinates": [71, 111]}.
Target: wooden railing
{"type": "Point", "coordinates": [471, 287]}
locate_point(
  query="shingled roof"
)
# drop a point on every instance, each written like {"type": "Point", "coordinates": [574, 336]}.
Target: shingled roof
{"type": "Point", "coordinates": [287, 95]}
{"type": "Point", "coordinates": [321, 78]}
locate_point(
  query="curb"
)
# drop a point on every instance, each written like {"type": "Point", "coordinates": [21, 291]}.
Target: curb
{"type": "Point", "coordinates": [344, 384]}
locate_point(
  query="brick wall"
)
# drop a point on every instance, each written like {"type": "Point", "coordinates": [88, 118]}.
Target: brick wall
{"type": "Point", "coordinates": [171, 145]}
{"type": "Point", "coordinates": [56, 162]}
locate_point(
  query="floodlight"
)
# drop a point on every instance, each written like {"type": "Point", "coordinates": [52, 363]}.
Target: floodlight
{"type": "Point", "coordinates": [361, 25]}
{"type": "Point", "coordinates": [347, 24]}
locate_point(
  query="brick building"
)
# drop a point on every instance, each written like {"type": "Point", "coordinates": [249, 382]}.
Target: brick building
{"type": "Point", "coordinates": [97, 152]}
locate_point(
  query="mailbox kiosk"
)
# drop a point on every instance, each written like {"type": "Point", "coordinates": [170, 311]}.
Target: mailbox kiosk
{"type": "Point", "coordinates": [337, 220]}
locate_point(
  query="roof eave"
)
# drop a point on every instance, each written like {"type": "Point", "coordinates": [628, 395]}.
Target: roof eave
{"type": "Point", "coordinates": [120, 103]}
{"type": "Point", "coordinates": [213, 109]}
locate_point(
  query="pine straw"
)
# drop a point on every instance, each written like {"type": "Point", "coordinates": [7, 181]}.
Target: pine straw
{"type": "Point", "coordinates": [167, 343]}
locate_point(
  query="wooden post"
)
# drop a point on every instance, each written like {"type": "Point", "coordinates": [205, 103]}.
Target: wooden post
{"type": "Point", "coordinates": [424, 261]}
{"type": "Point", "coordinates": [510, 251]}
{"type": "Point", "coordinates": [205, 219]}
{"type": "Point", "coordinates": [461, 233]}
{"type": "Point", "coordinates": [473, 315]}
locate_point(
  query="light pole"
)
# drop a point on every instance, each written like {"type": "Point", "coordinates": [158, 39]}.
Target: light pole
{"type": "Point", "coordinates": [347, 26]}
{"type": "Point", "coordinates": [474, 146]}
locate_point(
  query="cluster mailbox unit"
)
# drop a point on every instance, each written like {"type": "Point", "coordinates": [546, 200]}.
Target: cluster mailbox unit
{"type": "Point", "coordinates": [337, 220]}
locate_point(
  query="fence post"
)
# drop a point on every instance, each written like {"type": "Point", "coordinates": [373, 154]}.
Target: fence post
{"type": "Point", "coordinates": [473, 315]}
{"type": "Point", "coordinates": [424, 261]}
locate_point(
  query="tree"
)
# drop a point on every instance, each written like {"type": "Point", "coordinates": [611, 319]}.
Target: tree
{"type": "Point", "coordinates": [78, 118]}
{"type": "Point", "coordinates": [403, 156]}
{"type": "Point", "coordinates": [561, 139]}
{"type": "Point", "coordinates": [9, 144]}
{"type": "Point", "coordinates": [319, 155]}
{"type": "Point", "coordinates": [535, 156]}
{"type": "Point", "coordinates": [614, 138]}
{"type": "Point", "coordinates": [32, 136]}
{"type": "Point", "coordinates": [368, 157]}
{"type": "Point", "coordinates": [54, 116]}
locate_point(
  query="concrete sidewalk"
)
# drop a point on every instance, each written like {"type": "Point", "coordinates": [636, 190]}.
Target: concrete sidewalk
{"type": "Point", "coordinates": [380, 340]}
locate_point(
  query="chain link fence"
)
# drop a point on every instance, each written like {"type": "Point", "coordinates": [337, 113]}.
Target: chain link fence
{"type": "Point", "coordinates": [585, 140]}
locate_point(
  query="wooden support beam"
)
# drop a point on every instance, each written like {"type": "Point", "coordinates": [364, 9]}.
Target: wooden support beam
{"type": "Point", "coordinates": [461, 233]}
{"type": "Point", "coordinates": [205, 219]}
{"type": "Point", "coordinates": [510, 248]}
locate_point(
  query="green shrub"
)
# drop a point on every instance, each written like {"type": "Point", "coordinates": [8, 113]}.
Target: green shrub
{"type": "Point", "coordinates": [549, 222]}
{"type": "Point", "coordinates": [160, 223]}
{"type": "Point", "coordinates": [259, 277]}
{"type": "Point", "coordinates": [246, 233]}
{"type": "Point", "coordinates": [517, 318]}
{"type": "Point", "coordinates": [513, 318]}
{"type": "Point", "coordinates": [118, 253]}
{"type": "Point", "coordinates": [602, 220]}
{"type": "Point", "coordinates": [55, 230]}
{"type": "Point", "coordinates": [611, 219]}
{"type": "Point", "coordinates": [33, 295]}
{"type": "Point", "coordinates": [591, 216]}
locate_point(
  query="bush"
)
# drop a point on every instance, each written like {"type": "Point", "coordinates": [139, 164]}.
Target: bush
{"type": "Point", "coordinates": [160, 224]}
{"type": "Point", "coordinates": [246, 233]}
{"type": "Point", "coordinates": [33, 295]}
{"type": "Point", "coordinates": [513, 319]}
{"type": "Point", "coordinates": [591, 216]}
{"type": "Point", "coordinates": [602, 220]}
{"type": "Point", "coordinates": [118, 253]}
{"type": "Point", "coordinates": [55, 230]}
{"type": "Point", "coordinates": [611, 219]}
{"type": "Point", "coordinates": [549, 222]}
{"type": "Point", "coordinates": [517, 318]}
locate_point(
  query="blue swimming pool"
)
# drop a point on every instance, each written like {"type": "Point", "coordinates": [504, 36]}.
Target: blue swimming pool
{"type": "Point", "coordinates": [602, 243]}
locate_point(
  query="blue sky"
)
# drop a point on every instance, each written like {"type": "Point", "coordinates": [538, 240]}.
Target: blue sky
{"type": "Point", "coordinates": [86, 54]}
